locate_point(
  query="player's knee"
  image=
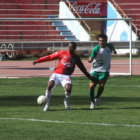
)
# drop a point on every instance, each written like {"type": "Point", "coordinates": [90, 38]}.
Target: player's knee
{"type": "Point", "coordinates": [101, 85]}
{"type": "Point", "coordinates": [68, 88]}
{"type": "Point", "coordinates": [51, 85]}
{"type": "Point", "coordinates": [92, 85]}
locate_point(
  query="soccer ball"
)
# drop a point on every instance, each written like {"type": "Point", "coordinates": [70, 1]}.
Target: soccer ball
{"type": "Point", "coordinates": [41, 99]}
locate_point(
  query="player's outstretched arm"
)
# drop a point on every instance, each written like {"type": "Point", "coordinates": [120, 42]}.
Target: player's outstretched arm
{"type": "Point", "coordinates": [82, 68]}
{"type": "Point", "coordinates": [51, 57]}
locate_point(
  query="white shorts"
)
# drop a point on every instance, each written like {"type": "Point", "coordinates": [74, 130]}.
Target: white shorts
{"type": "Point", "coordinates": [60, 79]}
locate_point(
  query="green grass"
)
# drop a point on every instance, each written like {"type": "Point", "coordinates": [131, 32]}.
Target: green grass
{"type": "Point", "coordinates": [120, 104]}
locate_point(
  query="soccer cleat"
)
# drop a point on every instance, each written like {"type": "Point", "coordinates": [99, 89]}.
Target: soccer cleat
{"type": "Point", "coordinates": [97, 101]}
{"type": "Point", "coordinates": [67, 105]}
{"type": "Point", "coordinates": [92, 106]}
{"type": "Point", "coordinates": [46, 108]}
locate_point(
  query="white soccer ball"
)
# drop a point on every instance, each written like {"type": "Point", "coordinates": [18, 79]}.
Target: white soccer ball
{"type": "Point", "coordinates": [41, 99]}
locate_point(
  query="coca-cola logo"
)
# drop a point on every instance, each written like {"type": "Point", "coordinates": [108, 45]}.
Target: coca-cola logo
{"type": "Point", "coordinates": [87, 8]}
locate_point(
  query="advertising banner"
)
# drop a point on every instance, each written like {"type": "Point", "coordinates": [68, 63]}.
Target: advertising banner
{"type": "Point", "coordinates": [89, 8]}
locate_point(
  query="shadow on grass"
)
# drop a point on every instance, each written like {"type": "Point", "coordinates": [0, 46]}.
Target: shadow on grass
{"type": "Point", "coordinates": [31, 100]}
{"type": "Point", "coordinates": [129, 108]}
{"type": "Point", "coordinates": [18, 101]}
{"type": "Point", "coordinates": [58, 100]}
{"type": "Point", "coordinates": [121, 99]}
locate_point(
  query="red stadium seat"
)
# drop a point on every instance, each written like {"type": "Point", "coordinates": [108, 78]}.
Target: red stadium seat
{"type": "Point", "coordinates": [3, 32]}
{"type": "Point", "coordinates": [52, 2]}
{"type": "Point", "coordinates": [30, 6]}
{"type": "Point", "coordinates": [35, 23]}
{"type": "Point", "coordinates": [13, 32]}
{"type": "Point", "coordinates": [52, 6]}
{"type": "Point", "coordinates": [47, 27]}
{"type": "Point", "coordinates": [13, 37]}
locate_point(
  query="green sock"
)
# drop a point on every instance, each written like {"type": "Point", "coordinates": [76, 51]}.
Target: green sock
{"type": "Point", "coordinates": [91, 96]}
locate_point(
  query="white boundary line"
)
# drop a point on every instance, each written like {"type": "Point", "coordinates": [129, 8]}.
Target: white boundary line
{"type": "Point", "coordinates": [65, 122]}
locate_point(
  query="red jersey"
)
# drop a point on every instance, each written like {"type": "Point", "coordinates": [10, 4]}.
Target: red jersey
{"type": "Point", "coordinates": [66, 63]}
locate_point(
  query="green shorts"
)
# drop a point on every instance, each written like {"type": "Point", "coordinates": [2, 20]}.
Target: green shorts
{"type": "Point", "coordinates": [100, 75]}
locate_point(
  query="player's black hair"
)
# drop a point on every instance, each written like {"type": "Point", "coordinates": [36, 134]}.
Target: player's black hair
{"type": "Point", "coordinates": [73, 44]}
{"type": "Point", "coordinates": [103, 36]}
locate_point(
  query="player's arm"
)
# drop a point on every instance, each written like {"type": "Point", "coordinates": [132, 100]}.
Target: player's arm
{"type": "Point", "coordinates": [91, 57]}
{"type": "Point", "coordinates": [93, 53]}
{"type": "Point", "coordinates": [82, 68]}
{"type": "Point", "coordinates": [51, 57]}
{"type": "Point", "coordinates": [112, 48]}
{"type": "Point", "coordinates": [114, 51]}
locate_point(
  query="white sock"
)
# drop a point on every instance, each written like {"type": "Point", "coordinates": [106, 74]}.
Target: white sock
{"type": "Point", "coordinates": [48, 96]}
{"type": "Point", "coordinates": [67, 96]}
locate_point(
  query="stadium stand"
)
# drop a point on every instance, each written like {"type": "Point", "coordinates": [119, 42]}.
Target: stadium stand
{"type": "Point", "coordinates": [129, 8]}
{"type": "Point", "coordinates": [32, 30]}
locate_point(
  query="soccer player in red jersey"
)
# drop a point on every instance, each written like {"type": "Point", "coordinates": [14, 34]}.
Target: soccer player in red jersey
{"type": "Point", "coordinates": [62, 73]}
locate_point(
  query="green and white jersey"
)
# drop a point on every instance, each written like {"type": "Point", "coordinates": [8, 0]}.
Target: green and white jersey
{"type": "Point", "coordinates": [101, 58]}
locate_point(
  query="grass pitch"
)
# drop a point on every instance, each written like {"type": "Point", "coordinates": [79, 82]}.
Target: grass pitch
{"type": "Point", "coordinates": [117, 118]}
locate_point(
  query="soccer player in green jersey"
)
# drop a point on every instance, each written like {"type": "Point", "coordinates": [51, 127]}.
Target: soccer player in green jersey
{"type": "Point", "coordinates": [101, 59]}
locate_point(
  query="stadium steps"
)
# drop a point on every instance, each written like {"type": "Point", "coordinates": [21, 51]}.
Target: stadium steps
{"type": "Point", "coordinates": [132, 9]}
{"type": "Point", "coordinates": [64, 30]}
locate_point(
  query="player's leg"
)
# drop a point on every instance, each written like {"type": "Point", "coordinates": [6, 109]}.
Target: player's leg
{"type": "Point", "coordinates": [51, 84]}
{"type": "Point", "coordinates": [101, 88]}
{"type": "Point", "coordinates": [102, 81]}
{"type": "Point", "coordinates": [48, 94]}
{"type": "Point", "coordinates": [67, 85]}
{"type": "Point", "coordinates": [68, 88]}
{"type": "Point", "coordinates": [91, 94]}
{"type": "Point", "coordinates": [92, 89]}
{"type": "Point", "coordinates": [99, 92]}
